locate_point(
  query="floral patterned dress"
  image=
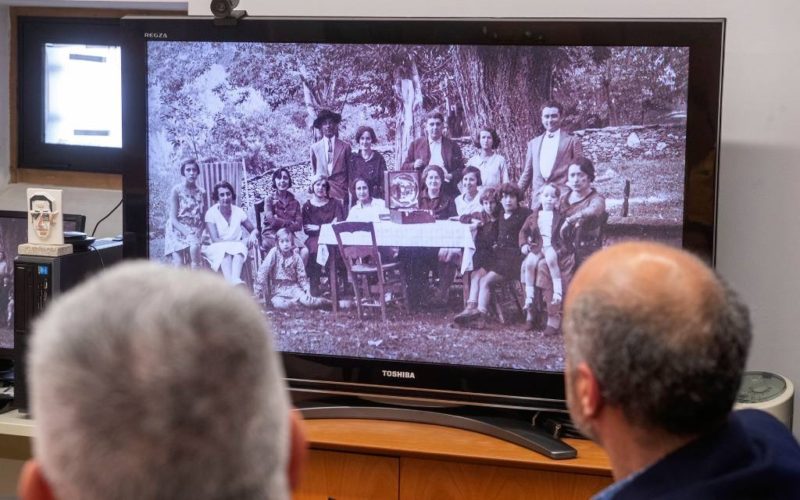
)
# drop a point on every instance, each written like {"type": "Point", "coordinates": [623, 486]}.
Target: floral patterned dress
{"type": "Point", "coordinates": [190, 214]}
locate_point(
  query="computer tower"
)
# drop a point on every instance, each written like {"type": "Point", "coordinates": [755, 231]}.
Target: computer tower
{"type": "Point", "coordinates": [37, 281]}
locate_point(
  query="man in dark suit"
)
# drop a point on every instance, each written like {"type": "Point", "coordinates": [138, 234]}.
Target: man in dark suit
{"type": "Point", "coordinates": [656, 344]}
{"type": "Point", "coordinates": [549, 155]}
{"type": "Point", "coordinates": [331, 156]}
{"type": "Point", "coordinates": [435, 149]}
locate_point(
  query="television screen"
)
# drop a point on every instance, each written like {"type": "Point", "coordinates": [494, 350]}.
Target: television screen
{"type": "Point", "coordinates": [13, 232]}
{"type": "Point", "coordinates": [518, 139]}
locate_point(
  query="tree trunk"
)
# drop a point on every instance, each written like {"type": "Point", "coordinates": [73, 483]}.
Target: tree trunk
{"type": "Point", "coordinates": [408, 92]}
{"type": "Point", "coordinates": [504, 90]}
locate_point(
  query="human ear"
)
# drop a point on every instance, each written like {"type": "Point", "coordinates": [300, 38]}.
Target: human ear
{"type": "Point", "coordinates": [32, 483]}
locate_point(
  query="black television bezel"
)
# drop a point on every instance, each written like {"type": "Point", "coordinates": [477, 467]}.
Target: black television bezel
{"type": "Point", "coordinates": [443, 383]}
{"type": "Point", "coordinates": [34, 152]}
{"type": "Point", "coordinates": [80, 225]}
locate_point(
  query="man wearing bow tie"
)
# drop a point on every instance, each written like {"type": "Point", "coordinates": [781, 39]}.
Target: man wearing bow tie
{"type": "Point", "coordinates": [549, 155]}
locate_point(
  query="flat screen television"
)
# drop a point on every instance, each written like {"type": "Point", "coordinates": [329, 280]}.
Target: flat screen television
{"type": "Point", "coordinates": [13, 232]}
{"type": "Point", "coordinates": [641, 97]}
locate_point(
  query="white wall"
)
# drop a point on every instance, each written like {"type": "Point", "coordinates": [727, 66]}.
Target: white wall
{"type": "Point", "coordinates": [5, 40]}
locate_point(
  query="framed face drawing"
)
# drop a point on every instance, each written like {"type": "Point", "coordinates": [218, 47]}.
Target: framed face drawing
{"type": "Point", "coordinates": [402, 189]}
{"type": "Point", "coordinates": [44, 224]}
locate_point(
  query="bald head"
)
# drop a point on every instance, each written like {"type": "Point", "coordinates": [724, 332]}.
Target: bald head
{"type": "Point", "coordinates": [664, 336]}
{"type": "Point", "coordinates": [652, 279]}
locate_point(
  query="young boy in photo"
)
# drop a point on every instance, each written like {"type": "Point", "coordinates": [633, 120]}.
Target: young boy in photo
{"type": "Point", "coordinates": [537, 239]}
{"type": "Point", "coordinates": [283, 268]}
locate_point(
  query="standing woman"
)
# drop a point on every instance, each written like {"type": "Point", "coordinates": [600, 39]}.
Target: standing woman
{"type": "Point", "coordinates": [368, 164]}
{"type": "Point", "coordinates": [491, 164]}
{"type": "Point", "coordinates": [187, 204]}
{"type": "Point", "coordinates": [224, 221]}
{"type": "Point", "coordinates": [318, 210]}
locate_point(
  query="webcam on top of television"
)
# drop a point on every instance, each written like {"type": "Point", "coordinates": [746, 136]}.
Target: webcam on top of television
{"type": "Point", "coordinates": [225, 13]}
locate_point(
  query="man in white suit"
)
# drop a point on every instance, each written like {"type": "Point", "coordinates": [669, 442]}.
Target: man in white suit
{"type": "Point", "coordinates": [330, 156]}
{"type": "Point", "coordinates": [549, 155]}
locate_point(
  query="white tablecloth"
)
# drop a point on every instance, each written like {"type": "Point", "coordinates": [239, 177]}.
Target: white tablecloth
{"type": "Point", "coordinates": [440, 234]}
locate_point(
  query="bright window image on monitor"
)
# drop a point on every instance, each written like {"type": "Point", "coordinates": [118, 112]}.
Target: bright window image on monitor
{"type": "Point", "coordinates": [13, 232]}
{"type": "Point", "coordinates": [245, 106]}
{"type": "Point", "coordinates": [83, 96]}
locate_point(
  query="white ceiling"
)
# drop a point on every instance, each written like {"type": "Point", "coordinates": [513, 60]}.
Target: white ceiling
{"type": "Point", "coordinates": [105, 4]}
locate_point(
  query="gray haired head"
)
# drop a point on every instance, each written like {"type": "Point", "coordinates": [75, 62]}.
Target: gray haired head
{"type": "Point", "coordinates": [156, 382]}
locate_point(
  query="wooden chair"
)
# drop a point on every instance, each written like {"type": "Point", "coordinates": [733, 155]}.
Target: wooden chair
{"type": "Point", "coordinates": [364, 264]}
{"type": "Point", "coordinates": [589, 237]}
{"type": "Point", "coordinates": [506, 295]}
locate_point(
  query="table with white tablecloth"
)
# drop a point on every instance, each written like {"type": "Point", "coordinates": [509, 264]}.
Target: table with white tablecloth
{"type": "Point", "coordinates": [439, 234]}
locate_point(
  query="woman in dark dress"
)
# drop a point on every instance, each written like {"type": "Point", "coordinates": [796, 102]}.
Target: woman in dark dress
{"type": "Point", "coordinates": [318, 210]}
{"type": "Point", "coordinates": [367, 164]}
{"type": "Point", "coordinates": [581, 206]}
{"type": "Point", "coordinates": [422, 260]}
{"type": "Point", "coordinates": [281, 210]}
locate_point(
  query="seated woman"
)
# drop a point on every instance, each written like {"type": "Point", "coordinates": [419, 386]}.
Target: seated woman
{"type": "Point", "coordinates": [492, 165]}
{"type": "Point", "coordinates": [507, 257]}
{"type": "Point", "coordinates": [187, 204]}
{"type": "Point", "coordinates": [224, 222]}
{"type": "Point", "coordinates": [420, 261]}
{"type": "Point", "coordinates": [468, 202]}
{"type": "Point", "coordinates": [281, 210]}
{"type": "Point", "coordinates": [366, 208]}
{"type": "Point", "coordinates": [582, 205]}
{"type": "Point", "coordinates": [284, 271]}
{"type": "Point", "coordinates": [368, 164]}
{"type": "Point", "coordinates": [318, 210]}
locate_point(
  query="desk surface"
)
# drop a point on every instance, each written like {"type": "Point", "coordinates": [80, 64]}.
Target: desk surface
{"type": "Point", "coordinates": [383, 437]}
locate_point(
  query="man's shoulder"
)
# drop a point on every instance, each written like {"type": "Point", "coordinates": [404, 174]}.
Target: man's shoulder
{"type": "Point", "coordinates": [752, 456]}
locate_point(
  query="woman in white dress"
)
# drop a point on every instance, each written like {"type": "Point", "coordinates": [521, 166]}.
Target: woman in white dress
{"type": "Point", "coordinates": [224, 221]}
{"type": "Point", "coordinates": [491, 164]}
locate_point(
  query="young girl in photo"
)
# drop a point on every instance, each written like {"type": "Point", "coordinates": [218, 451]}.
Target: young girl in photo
{"type": "Point", "coordinates": [507, 257]}
{"type": "Point", "coordinates": [284, 270]}
{"type": "Point", "coordinates": [485, 223]}
{"type": "Point", "coordinates": [537, 240]}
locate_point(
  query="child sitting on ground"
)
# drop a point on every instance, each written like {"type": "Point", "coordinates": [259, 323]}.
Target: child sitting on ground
{"type": "Point", "coordinates": [537, 239]}
{"type": "Point", "coordinates": [283, 269]}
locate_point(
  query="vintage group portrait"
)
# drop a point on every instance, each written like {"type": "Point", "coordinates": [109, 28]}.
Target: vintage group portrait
{"type": "Point", "coordinates": [424, 203]}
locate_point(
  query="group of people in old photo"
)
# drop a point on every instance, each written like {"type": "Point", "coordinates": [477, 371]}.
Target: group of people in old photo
{"type": "Point", "coordinates": [524, 232]}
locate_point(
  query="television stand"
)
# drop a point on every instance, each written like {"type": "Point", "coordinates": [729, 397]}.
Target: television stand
{"type": "Point", "coordinates": [509, 429]}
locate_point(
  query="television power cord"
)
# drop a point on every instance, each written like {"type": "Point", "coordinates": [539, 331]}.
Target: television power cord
{"type": "Point", "coordinates": [106, 217]}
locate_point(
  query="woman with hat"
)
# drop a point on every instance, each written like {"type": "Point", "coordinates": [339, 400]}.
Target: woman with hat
{"type": "Point", "coordinates": [330, 156]}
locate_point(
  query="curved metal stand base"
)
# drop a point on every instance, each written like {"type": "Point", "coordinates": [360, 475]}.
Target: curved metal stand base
{"type": "Point", "coordinates": [507, 429]}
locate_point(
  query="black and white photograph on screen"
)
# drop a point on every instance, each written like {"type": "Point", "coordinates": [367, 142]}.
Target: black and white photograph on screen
{"type": "Point", "coordinates": [424, 203]}
{"type": "Point", "coordinates": [13, 232]}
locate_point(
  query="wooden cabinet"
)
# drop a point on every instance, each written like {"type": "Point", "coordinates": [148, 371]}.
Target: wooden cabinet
{"type": "Point", "coordinates": [355, 459]}
{"type": "Point", "coordinates": [340, 476]}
